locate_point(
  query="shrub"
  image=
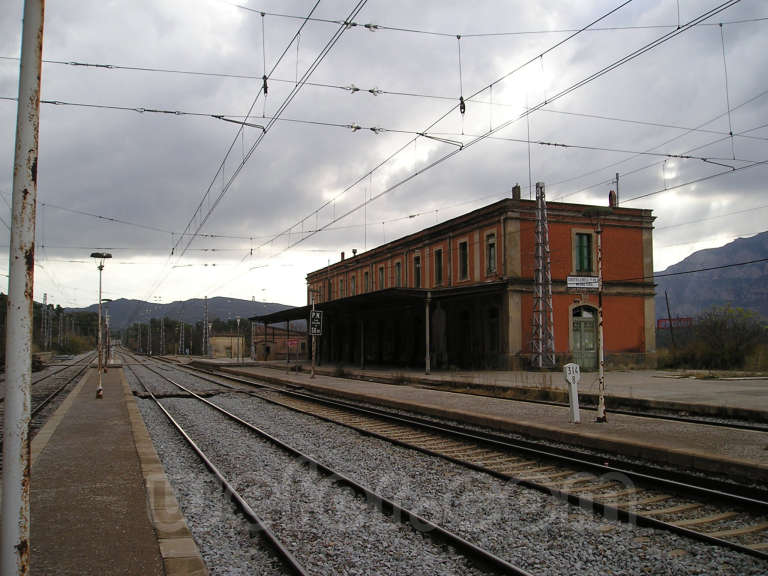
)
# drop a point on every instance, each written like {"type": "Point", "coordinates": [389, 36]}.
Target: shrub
{"type": "Point", "coordinates": [724, 338]}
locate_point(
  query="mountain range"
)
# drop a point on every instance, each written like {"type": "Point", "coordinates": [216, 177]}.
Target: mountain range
{"type": "Point", "coordinates": [125, 312]}
{"type": "Point", "coordinates": [725, 282]}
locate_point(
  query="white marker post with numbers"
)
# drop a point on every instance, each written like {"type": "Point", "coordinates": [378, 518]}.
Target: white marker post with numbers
{"type": "Point", "coordinates": [572, 376]}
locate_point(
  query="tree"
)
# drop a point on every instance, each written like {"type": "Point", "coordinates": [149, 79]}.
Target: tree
{"type": "Point", "coordinates": [725, 336]}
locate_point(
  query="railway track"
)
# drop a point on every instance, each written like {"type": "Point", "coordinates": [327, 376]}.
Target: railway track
{"type": "Point", "coordinates": [479, 557]}
{"type": "Point", "coordinates": [712, 512]}
{"type": "Point", "coordinates": [46, 390]}
{"type": "Point", "coordinates": [84, 360]}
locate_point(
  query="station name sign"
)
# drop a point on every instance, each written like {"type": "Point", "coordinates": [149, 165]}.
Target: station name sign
{"type": "Point", "coordinates": [316, 322]}
{"type": "Point", "coordinates": [583, 282]}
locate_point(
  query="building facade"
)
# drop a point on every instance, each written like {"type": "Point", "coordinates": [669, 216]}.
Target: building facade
{"type": "Point", "coordinates": [460, 294]}
{"type": "Point", "coordinates": [227, 346]}
{"type": "Point", "coordinates": [275, 343]}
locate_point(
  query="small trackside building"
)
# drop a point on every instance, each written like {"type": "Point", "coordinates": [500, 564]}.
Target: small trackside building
{"type": "Point", "coordinates": [460, 294]}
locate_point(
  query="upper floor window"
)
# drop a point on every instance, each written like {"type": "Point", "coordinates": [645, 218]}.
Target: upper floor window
{"type": "Point", "coordinates": [341, 287]}
{"type": "Point", "coordinates": [417, 271]}
{"type": "Point", "coordinates": [352, 285]}
{"type": "Point", "coordinates": [398, 275]}
{"type": "Point", "coordinates": [583, 252]}
{"type": "Point", "coordinates": [490, 254]}
{"type": "Point", "coordinates": [330, 290]}
{"type": "Point", "coordinates": [366, 286]}
{"type": "Point", "coordinates": [438, 267]}
{"type": "Point", "coordinates": [381, 277]}
{"type": "Point", "coordinates": [463, 260]}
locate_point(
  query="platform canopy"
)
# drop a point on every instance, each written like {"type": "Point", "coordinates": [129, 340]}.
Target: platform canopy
{"type": "Point", "coordinates": [377, 300]}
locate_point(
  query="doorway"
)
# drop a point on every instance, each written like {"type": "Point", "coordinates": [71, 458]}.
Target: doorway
{"type": "Point", "coordinates": [584, 333]}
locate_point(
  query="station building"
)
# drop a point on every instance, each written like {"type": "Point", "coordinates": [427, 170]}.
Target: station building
{"type": "Point", "coordinates": [470, 280]}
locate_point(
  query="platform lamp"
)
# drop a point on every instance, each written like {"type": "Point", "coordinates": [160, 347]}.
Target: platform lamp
{"type": "Point", "coordinates": [101, 256]}
{"type": "Point", "coordinates": [107, 339]}
{"type": "Point", "coordinates": [595, 213]}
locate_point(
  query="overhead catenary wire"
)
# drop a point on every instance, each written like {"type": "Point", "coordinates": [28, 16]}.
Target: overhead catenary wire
{"type": "Point", "coordinates": [446, 34]}
{"type": "Point", "coordinates": [699, 220]}
{"type": "Point", "coordinates": [206, 194]}
{"type": "Point", "coordinates": [138, 224]}
{"type": "Point", "coordinates": [349, 87]}
{"type": "Point", "coordinates": [727, 91]}
{"type": "Point", "coordinates": [621, 61]}
{"type": "Point", "coordinates": [318, 59]}
{"type": "Point", "coordinates": [630, 56]}
{"type": "Point", "coordinates": [438, 120]}
{"type": "Point", "coordinates": [491, 137]}
{"type": "Point", "coordinates": [401, 218]}
{"type": "Point", "coordinates": [437, 136]}
{"type": "Point", "coordinates": [688, 131]}
{"type": "Point", "coordinates": [647, 166]}
{"type": "Point", "coordinates": [696, 181]}
{"type": "Point", "coordinates": [695, 271]}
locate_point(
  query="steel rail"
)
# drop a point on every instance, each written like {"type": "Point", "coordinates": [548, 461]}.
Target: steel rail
{"type": "Point", "coordinates": [36, 410]}
{"type": "Point", "coordinates": [39, 407]}
{"type": "Point", "coordinates": [581, 501]}
{"type": "Point", "coordinates": [60, 370]}
{"type": "Point", "coordinates": [282, 551]}
{"type": "Point", "coordinates": [720, 422]}
{"type": "Point", "coordinates": [389, 507]}
{"type": "Point", "coordinates": [676, 480]}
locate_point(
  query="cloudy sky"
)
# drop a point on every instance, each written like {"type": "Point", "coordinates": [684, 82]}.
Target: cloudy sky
{"type": "Point", "coordinates": [116, 176]}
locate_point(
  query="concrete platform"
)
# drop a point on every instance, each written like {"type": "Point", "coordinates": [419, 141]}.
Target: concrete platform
{"type": "Point", "coordinates": [736, 453]}
{"type": "Point", "coordinates": [100, 501]}
{"type": "Point", "coordinates": [737, 397]}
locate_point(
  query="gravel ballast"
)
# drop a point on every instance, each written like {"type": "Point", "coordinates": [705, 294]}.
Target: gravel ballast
{"type": "Point", "coordinates": [326, 526]}
{"type": "Point", "coordinates": [221, 535]}
{"type": "Point", "coordinates": [516, 523]}
{"type": "Point", "coordinates": [525, 527]}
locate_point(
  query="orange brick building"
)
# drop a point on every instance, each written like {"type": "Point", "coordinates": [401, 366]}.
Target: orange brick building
{"type": "Point", "coordinates": [471, 280]}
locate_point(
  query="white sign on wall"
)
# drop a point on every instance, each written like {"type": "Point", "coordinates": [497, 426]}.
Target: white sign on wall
{"type": "Point", "coordinates": [583, 282]}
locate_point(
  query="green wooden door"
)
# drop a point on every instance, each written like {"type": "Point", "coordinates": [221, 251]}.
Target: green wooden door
{"type": "Point", "coordinates": [585, 337]}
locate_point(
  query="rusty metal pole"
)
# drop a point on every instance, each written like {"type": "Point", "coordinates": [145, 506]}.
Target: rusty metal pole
{"type": "Point", "coordinates": [601, 417]}
{"type": "Point", "coordinates": [427, 361]}
{"type": "Point", "coordinates": [14, 540]}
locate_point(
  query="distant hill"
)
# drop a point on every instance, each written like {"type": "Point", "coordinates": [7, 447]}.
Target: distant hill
{"type": "Point", "coordinates": [739, 286]}
{"type": "Point", "coordinates": [124, 312]}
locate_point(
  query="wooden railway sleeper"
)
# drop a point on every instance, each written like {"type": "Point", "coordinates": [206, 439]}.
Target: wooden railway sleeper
{"type": "Point", "coordinates": [751, 529]}
{"type": "Point", "coordinates": [545, 476]}
{"type": "Point", "coordinates": [703, 520]}
{"type": "Point", "coordinates": [672, 509]}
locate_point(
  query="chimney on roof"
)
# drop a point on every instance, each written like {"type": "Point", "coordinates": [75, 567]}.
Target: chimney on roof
{"type": "Point", "coordinates": [612, 200]}
{"type": "Point", "coordinates": [516, 192]}
{"type": "Point", "coordinates": [342, 256]}
{"type": "Point", "coordinates": [354, 252]}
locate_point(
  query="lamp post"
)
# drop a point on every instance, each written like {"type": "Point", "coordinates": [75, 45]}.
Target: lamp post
{"type": "Point", "coordinates": [596, 212]}
{"type": "Point", "coordinates": [106, 327]}
{"type": "Point", "coordinates": [239, 346]}
{"type": "Point", "coordinates": [101, 256]}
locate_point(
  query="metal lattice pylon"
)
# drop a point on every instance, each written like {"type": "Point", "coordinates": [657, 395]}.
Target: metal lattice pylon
{"type": "Point", "coordinates": [543, 328]}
